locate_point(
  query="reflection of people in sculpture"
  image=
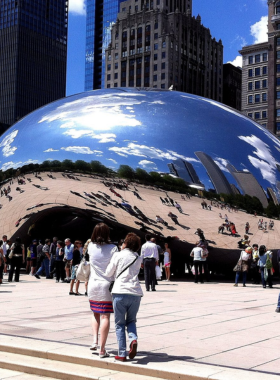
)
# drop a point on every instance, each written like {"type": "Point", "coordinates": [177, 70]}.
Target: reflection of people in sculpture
{"type": "Point", "coordinates": [173, 217]}
{"type": "Point", "coordinates": [167, 261]}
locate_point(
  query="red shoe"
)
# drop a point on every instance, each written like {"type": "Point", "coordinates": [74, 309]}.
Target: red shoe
{"type": "Point", "coordinates": [120, 358]}
{"type": "Point", "coordinates": [133, 349]}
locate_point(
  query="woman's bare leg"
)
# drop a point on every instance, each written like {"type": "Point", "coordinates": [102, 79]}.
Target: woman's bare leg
{"type": "Point", "coordinates": [95, 326]}
{"type": "Point", "coordinates": [104, 331]}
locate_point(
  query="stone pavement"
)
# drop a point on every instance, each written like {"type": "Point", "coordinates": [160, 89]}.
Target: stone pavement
{"type": "Point", "coordinates": [205, 328]}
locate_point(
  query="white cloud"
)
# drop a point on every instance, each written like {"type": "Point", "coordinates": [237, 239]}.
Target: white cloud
{"type": "Point", "coordinates": [259, 30]}
{"type": "Point", "coordinates": [237, 61]}
{"type": "Point", "coordinates": [81, 150]}
{"type": "Point", "coordinates": [51, 150]}
{"type": "Point", "coordinates": [77, 7]}
{"type": "Point", "coordinates": [111, 159]}
{"type": "Point", "coordinates": [7, 142]}
{"type": "Point", "coordinates": [149, 152]}
{"type": "Point", "coordinates": [222, 163]}
{"type": "Point", "coordinates": [264, 161]}
{"type": "Point", "coordinates": [148, 164]}
{"type": "Point", "coordinates": [105, 137]}
{"type": "Point", "coordinates": [14, 165]}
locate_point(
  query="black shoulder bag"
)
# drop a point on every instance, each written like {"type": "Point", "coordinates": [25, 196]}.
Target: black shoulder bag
{"type": "Point", "coordinates": [113, 282]}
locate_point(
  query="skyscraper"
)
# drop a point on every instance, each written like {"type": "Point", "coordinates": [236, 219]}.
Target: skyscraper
{"type": "Point", "coordinates": [185, 170]}
{"type": "Point", "coordinates": [248, 184]}
{"type": "Point", "coordinates": [160, 44]}
{"type": "Point", "coordinates": [215, 174]}
{"type": "Point", "coordinates": [33, 46]}
{"type": "Point", "coordinates": [101, 14]}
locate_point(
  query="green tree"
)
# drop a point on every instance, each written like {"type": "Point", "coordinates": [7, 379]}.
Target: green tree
{"type": "Point", "coordinates": [67, 165]}
{"type": "Point", "coordinates": [97, 167]}
{"type": "Point", "coordinates": [142, 175]}
{"type": "Point", "coordinates": [82, 166]}
{"type": "Point", "coordinates": [126, 171]}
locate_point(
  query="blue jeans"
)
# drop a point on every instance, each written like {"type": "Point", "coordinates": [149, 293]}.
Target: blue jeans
{"type": "Point", "coordinates": [278, 301]}
{"type": "Point", "coordinates": [44, 266]}
{"type": "Point", "coordinates": [126, 308]}
{"type": "Point", "coordinates": [269, 278]}
{"type": "Point", "coordinates": [244, 277]}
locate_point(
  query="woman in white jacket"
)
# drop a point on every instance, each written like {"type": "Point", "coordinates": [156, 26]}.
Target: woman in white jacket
{"type": "Point", "coordinates": [127, 293]}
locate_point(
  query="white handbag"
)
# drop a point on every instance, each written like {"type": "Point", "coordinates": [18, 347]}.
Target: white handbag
{"type": "Point", "coordinates": [83, 271]}
{"type": "Point", "coordinates": [158, 272]}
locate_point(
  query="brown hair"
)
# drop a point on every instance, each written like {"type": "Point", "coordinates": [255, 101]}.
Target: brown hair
{"type": "Point", "coordinates": [101, 234]}
{"type": "Point", "coordinates": [77, 242]}
{"type": "Point", "coordinates": [132, 242]}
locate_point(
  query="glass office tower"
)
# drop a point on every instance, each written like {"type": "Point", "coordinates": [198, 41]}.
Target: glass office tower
{"type": "Point", "coordinates": [101, 14]}
{"type": "Point", "coordinates": [33, 46]}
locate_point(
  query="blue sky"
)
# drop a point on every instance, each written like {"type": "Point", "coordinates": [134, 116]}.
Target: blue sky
{"type": "Point", "coordinates": [237, 23]}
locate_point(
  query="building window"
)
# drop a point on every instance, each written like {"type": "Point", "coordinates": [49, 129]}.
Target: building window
{"type": "Point", "coordinates": [264, 57]}
{"type": "Point", "coordinates": [278, 26]}
{"type": "Point", "coordinates": [277, 9]}
{"type": "Point", "coordinates": [257, 85]}
{"type": "Point", "coordinates": [116, 76]}
{"type": "Point", "coordinates": [264, 97]}
{"type": "Point", "coordinates": [250, 114]}
{"type": "Point", "coordinates": [155, 67]}
{"type": "Point", "coordinates": [278, 113]}
{"type": "Point", "coordinates": [155, 78]}
{"type": "Point", "coordinates": [155, 46]}
{"type": "Point", "coordinates": [156, 25]}
{"type": "Point", "coordinates": [162, 75]}
{"type": "Point", "coordinates": [278, 54]}
{"type": "Point", "coordinates": [123, 83]}
{"type": "Point", "coordinates": [278, 68]}
{"type": "Point", "coordinates": [258, 71]}
{"type": "Point", "coordinates": [278, 81]}
{"type": "Point", "coordinates": [278, 41]}
{"type": "Point", "coordinates": [108, 76]}
{"type": "Point", "coordinates": [264, 70]}
{"type": "Point", "coordinates": [264, 83]}
{"type": "Point", "coordinates": [155, 57]}
{"type": "Point", "coordinates": [156, 36]}
{"type": "Point", "coordinates": [116, 65]}
{"type": "Point", "coordinates": [250, 99]}
{"type": "Point", "coordinates": [163, 85]}
{"type": "Point", "coordinates": [251, 59]}
{"type": "Point", "coordinates": [277, 94]}
{"type": "Point", "coordinates": [250, 86]}
{"type": "Point", "coordinates": [250, 73]}
{"type": "Point", "coordinates": [163, 44]}
{"type": "Point", "coordinates": [163, 55]}
{"type": "Point", "coordinates": [131, 83]}
{"type": "Point", "coordinates": [257, 58]}
{"type": "Point", "coordinates": [264, 125]}
{"type": "Point", "coordinates": [257, 115]}
{"type": "Point", "coordinates": [108, 85]}
{"type": "Point", "coordinates": [115, 84]}
{"type": "Point", "coordinates": [109, 67]}
{"type": "Point", "coordinates": [264, 114]}
{"type": "Point", "coordinates": [163, 65]}
{"type": "Point", "coordinates": [257, 98]}
{"type": "Point", "coordinates": [278, 126]}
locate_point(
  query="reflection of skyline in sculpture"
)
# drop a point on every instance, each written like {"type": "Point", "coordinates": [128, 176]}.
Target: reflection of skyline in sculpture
{"type": "Point", "coordinates": [248, 184]}
{"type": "Point", "coordinates": [185, 170]}
{"type": "Point", "coordinates": [215, 174]}
{"type": "Point", "coordinates": [272, 196]}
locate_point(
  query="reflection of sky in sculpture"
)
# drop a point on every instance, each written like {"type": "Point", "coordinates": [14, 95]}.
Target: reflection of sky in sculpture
{"type": "Point", "coordinates": [146, 129]}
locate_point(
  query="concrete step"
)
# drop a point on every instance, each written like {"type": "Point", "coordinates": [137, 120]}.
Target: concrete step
{"type": "Point", "coordinates": [7, 374]}
{"type": "Point", "coordinates": [53, 369]}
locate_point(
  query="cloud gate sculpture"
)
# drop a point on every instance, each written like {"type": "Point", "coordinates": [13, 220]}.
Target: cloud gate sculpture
{"type": "Point", "coordinates": [204, 143]}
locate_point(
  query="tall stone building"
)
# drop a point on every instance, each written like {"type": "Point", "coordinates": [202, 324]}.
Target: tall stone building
{"type": "Point", "coordinates": [232, 82]}
{"type": "Point", "coordinates": [33, 46]}
{"type": "Point", "coordinates": [159, 44]}
{"type": "Point", "coordinates": [274, 66]}
{"type": "Point", "coordinates": [255, 82]}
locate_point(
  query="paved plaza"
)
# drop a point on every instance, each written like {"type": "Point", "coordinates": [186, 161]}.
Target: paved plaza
{"type": "Point", "coordinates": [210, 330]}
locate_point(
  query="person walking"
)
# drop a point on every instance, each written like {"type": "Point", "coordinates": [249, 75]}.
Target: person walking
{"type": "Point", "coordinates": [167, 261]}
{"type": "Point", "coordinates": [100, 252]}
{"type": "Point", "coordinates": [18, 258]}
{"type": "Point", "coordinates": [127, 293]}
{"type": "Point", "coordinates": [5, 246]}
{"type": "Point", "coordinates": [75, 263]}
{"type": "Point", "coordinates": [197, 254]}
{"type": "Point", "coordinates": [45, 257]}
{"type": "Point", "coordinates": [265, 264]}
{"type": "Point", "coordinates": [243, 265]}
{"type": "Point", "coordinates": [149, 254]}
{"type": "Point", "coordinates": [68, 257]}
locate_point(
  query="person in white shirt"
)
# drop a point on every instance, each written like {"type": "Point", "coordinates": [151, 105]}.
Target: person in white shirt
{"type": "Point", "coordinates": [149, 254]}
{"type": "Point", "coordinates": [126, 293]}
{"type": "Point", "coordinates": [198, 260]}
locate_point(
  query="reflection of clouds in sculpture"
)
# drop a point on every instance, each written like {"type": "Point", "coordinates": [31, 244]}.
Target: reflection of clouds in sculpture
{"type": "Point", "coordinates": [102, 137]}
{"type": "Point", "coordinates": [95, 113]}
{"type": "Point", "coordinates": [265, 162]}
{"type": "Point", "coordinates": [148, 165]}
{"type": "Point", "coordinates": [222, 163]}
{"type": "Point", "coordinates": [51, 150]}
{"type": "Point", "coordinates": [8, 150]}
{"type": "Point", "coordinates": [14, 165]}
{"type": "Point", "coordinates": [111, 159]}
{"type": "Point", "coordinates": [149, 152]}
{"type": "Point", "coordinates": [82, 150]}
